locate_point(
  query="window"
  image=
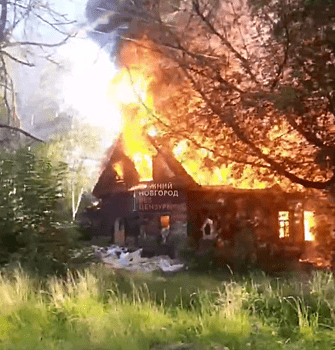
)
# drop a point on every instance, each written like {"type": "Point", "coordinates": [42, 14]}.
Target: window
{"type": "Point", "coordinates": [309, 224]}
{"type": "Point", "coordinates": [165, 227]}
{"type": "Point", "coordinates": [165, 221]}
{"type": "Point", "coordinates": [284, 228]}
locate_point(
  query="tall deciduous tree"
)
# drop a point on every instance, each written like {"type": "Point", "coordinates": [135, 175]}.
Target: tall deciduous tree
{"type": "Point", "coordinates": [21, 25]}
{"type": "Point", "coordinates": [255, 85]}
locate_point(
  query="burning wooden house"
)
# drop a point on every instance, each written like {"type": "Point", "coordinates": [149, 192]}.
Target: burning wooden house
{"type": "Point", "coordinates": [152, 213]}
{"type": "Point", "coordinates": [171, 211]}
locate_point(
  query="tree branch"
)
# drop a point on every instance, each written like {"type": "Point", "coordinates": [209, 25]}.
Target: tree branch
{"type": "Point", "coordinates": [277, 167]}
{"type": "Point", "coordinates": [5, 91]}
{"type": "Point", "coordinates": [186, 136]}
{"type": "Point", "coordinates": [14, 128]}
{"type": "Point", "coordinates": [282, 65]}
{"type": "Point", "coordinates": [169, 47]}
{"type": "Point", "coordinates": [53, 25]}
{"type": "Point", "coordinates": [32, 43]}
{"type": "Point", "coordinates": [3, 19]}
{"type": "Point", "coordinates": [311, 138]}
{"type": "Point", "coordinates": [243, 60]}
{"type": "Point", "coordinates": [16, 59]}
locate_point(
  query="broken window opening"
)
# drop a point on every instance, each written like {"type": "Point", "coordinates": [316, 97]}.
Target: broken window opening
{"type": "Point", "coordinates": [165, 227]}
{"type": "Point", "coordinates": [309, 224]}
{"type": "Point", "coordinates": [284, 224]}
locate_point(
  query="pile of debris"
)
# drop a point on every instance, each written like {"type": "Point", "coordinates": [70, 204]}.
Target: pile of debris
{"type": "Point", "coordinates": [121, 258]}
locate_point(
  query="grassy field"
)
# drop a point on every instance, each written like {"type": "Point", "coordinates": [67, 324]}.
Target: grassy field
{"type": "Point", "coordinates": [103, 309]}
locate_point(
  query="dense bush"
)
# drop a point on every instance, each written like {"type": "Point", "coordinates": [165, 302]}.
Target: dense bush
{"type": "Point", "coordinates": [34, 230]}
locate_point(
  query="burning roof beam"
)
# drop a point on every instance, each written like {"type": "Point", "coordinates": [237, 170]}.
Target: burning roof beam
{"type": "Point", "coordinates": [109, 181]}
{"type": "Point", "coordinates": [178, 170]}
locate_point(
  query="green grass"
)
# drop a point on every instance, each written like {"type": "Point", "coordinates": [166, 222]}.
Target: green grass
{"type": "Point", "coordinates": [98, 308]}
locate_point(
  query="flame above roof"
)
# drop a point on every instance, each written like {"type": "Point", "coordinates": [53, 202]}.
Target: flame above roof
{"type": "Point", "coordinates": [165, 169]}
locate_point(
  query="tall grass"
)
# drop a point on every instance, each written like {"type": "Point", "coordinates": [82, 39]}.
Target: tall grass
{"type": "Point", "coordinates": [101, 309]}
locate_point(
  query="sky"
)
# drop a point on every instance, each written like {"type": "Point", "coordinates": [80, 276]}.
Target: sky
{"type": "Point", "coordinates": [49, 96]}
{"type": "Point", "coordinates": [81, 88]}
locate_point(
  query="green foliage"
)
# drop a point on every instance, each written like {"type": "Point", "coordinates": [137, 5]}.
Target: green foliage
{"type": "Point", "coordinates": [33, 227]}
{"type": "Point", "coordinates": [81, 149]}
{"type": "Point", "coordinates": [262, 92]}
{"type": "Point", "coordinates": [102, 309]}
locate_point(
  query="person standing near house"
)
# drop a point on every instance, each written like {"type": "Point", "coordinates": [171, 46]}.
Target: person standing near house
{"type": "Point", "coordinates": [165, 231]}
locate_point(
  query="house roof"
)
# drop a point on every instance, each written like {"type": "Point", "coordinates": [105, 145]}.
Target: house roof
{"type": "Point", "coordinates": [110, 181]}
{"type": "Point", "coordinates": [165, 169]}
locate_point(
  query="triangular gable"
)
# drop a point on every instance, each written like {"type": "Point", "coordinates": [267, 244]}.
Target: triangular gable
{"type": "Point", "coordinates": [167, 168]}
{"type": "Point", "coordinates": [110, 181]}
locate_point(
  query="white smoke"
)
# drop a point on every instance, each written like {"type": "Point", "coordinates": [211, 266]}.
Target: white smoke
{"type": "Point", "coordinates": [72, 84]}
{"type": "Point", "coordinates": [84, 84]}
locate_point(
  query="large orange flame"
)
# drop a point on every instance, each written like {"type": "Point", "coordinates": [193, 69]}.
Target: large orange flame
{"type": "Point", "coordinates": [141, 87]}
{"type": "Point", "coordinates": [129, 89]}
